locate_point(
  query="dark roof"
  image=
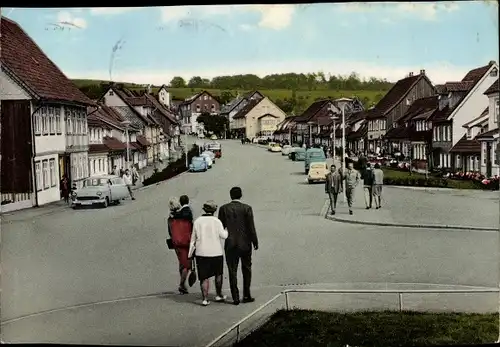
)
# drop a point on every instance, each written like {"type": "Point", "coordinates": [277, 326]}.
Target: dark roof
{"type": "Point", "coordinates": [373, 113]}
{"type": "Point", "coordinates": [29, 66]}
{"type": "Point", "coordinates": [466, 146]}
{"type": "Point", "coordinates": [401, 132]}
{"type": "Point", "coordinates": [440, 88]}
{"type": "Point", "coordinates": [248, 107]}
{"type": "Point", "coordinates": [357, 116]}
{"type": "Point", "coordinates": [418, 107]}
{"type": "Point", "coordinates": [143, 141]}
{"type": "Point", "coordinates": [443, 114]}
{"type": "Point", "coordinates": [361, 133]}
{"type": "Point", "coordinates": [396, 93]}
{"type": "Point", "coordinates": [311, 111]}
{"type": "Point", "coordinates": [98, 148]}
{"type": "Point", "coordinates": [191, 99]}
{"type": "Point", "coordinates": [458, 86]}
{"type": "Point", "coordinates": [487, 135]}
{"type": "Point", "coordinates": [114, 144]}
{"type": "Point", "coordinates": [160, 108]}
{"type": "Point", "coordinates": [137, 147]}
{"type": "Point", "coordinates": [126, 96]}
{"type": "Point", "coordinates": [286, 125]}
{"type": "Point", "coordinates": [476, 74]}
{"type": "Point", "coordinates": [492, 89]}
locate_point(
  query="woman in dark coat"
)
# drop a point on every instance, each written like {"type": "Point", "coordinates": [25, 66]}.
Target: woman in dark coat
{"type": "Point", "coordinates": [65, 188]}
{"type": "Point", "coordinates": [180, 227]}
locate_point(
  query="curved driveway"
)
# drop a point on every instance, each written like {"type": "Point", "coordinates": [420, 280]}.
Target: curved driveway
{"type": "Point", "coordinates": [71, 257]}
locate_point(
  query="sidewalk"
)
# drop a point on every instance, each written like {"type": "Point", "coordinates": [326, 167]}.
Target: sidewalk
{"type": "Point", "coordinates": [444, 209]}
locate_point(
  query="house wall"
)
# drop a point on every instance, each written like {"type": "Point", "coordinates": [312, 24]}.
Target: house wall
{"type": "Point", "coordinates": [493, 111]}
{"type": "Point", "coordinates": [47, 178]}
{"type": "Point", "coordinates": [376, 128]}
{"type": "Point", "coordinates": [252, 126]}
{"type": "Point", "coordinates": [165, 97]}
{"type": "Point", "coordinates": [495, 167]}
{"type": "Point", "coordinates": [205, 103]}
{"type": "Point", "coordinates": [267, 125]}
{"type": "Point", "coordinates": [111, 99]}
{"type": "Point", "coordinates": [9, 90]}
{"type": "Point", "coordinates": [473, 104]}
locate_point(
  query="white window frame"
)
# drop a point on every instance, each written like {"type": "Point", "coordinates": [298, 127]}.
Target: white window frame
{"type": "Point", "coordinates": [497, 109]}
{"type": "Point", "coordinates": [38, 176]}
{"type": "Point", "coordinates": [38, 123]}
{"type": "Point", "coordinates": [58, 120]}
{"type": "Point", "coordinates": [45, 174]}
{"type": "Point", "coordinates": [52, 169]}
{"type": "Point", "coordinates": [45, 121]}
{"type": "Point", "coordinates": [52, 121]}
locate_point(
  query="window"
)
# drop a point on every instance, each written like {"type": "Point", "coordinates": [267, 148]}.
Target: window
{"type": "Point", "coordinates": [52, 125]}
{"type": "Point", "coordinates": [93, 166]}
{"type": "Point", "coordinates": [494, 73]}
{"type": "Point", "coordinates": [469, 133]}
{"type": "Point", "coordinates": [38, 123]}
{"type": "Point", "coordinates": [496, 110]}
{"type": "Point", "coordinates": [213, 107]}
{"type": "Point", "coordinates": [494, 153]}
{"type": "Point", "coordinates": [58, 120]}
{"type": "Point", "coordinates": [45, 168]}
{"type": "Point", "coordinates": [52, 165]}
{"type": "Point", "coordinates": [38, 172]}
{"type": "Point", "coordinates": [197, 108]}
{"type": "Point", "coordinates": [205, 97]}
{"type": "Point", "coordinates": [100, 165]}
{"type": "Point", "coordinates": [45, 120]}
{"type": "Point", "coordinates": [111, 93]}
{"type": "Point", "coordinates": [445, 137]}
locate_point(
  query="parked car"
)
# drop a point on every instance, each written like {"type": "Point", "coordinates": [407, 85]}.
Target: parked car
{"type": "Point", "coordinates": [211, 155]}
{"type": "Point", "coordinates": [213, 137]}
{"type": "Point", "coordinates": [207, 159]}
{"type": "Point", "coordinates": [299, 154]}
{"type": "Point", "coordinates": [317, 172]}
{"type": "Point", "coordinates": [214, 147]}
{"type": "Point", "coordinates": [198, 164]}
{"type": "Point", "coordinates": [275, 148]}
{"type": "Point", "coordinates": [291, 152]}
{"type": "Point", "coordinates": [270, 145]}
{"type": "Point", "coordinates": [313, 155]}
{"type": "Point", "coordinates": [286, 149]}
{"type": "Point", "coordinates": [101, 190]}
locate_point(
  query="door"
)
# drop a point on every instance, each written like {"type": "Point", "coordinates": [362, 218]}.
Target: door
{"type": "Point", "coordinates": [119, 190]}
{"type": "Point", "coordinates": [488, 159]}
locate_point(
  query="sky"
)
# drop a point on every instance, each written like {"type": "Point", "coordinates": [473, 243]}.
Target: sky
{"type": "Point", "coordinates": [154, 44]}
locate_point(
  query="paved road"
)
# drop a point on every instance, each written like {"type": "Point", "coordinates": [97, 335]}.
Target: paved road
{"type": "Point", "coordinates": [68, 258]}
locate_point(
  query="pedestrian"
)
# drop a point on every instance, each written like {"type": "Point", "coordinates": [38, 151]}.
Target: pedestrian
{"type": "Point", "coordinates": [116, 172]}
{"type": "Point", "coordinates": [65, 188]}
{"type": "Point", "coordinates": [351, 178]}
{"type": "Point", "coordinates": [333, 186]}
{"type": "Point", "coordinates": [180, 227]}
{"type": "Point", "coordinates": [368, 182]}
{"type": "Point", "coordinates": [135, 174]}
{"type": "Point", "coordinates": [205, 245]}
{"type": "Point", "coordinates": [378, 183]}
{"type": "Point", "coordinates": [237, 218]}
{"type": "Point", "coordinates": [127, 178]}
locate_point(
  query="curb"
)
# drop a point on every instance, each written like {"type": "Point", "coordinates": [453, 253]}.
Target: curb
{"type": "Point", "coordinates": [429, 189]}
{"type": "Point", "coordinates": [419, 226]}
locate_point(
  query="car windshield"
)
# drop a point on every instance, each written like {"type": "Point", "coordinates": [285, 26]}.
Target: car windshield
{"type": "Point", "coordinates": [95, 182]}
{"type": "Point", "coordinates": [198, 160]}
{"type": "Point", "coordinates": [317, 155]}
{"type": "Point", "coordinates": [318, 166]}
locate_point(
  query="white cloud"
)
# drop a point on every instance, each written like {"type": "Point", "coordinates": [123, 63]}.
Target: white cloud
{"type": "Point", "coordinates": [437, 72]}
{"type": "Point", "coordinates": [423, 10]}
{"type": "Point", "coordinates": [112, 10]}
{"type": "Point", "coordinates": [275, 17]}
{"type": "Point", "coordinates": [67, 19]}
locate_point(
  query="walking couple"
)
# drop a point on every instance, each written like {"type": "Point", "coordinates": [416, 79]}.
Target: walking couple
{"type": "Point", "coordinates": [334, 185]}
{"type": "Point", "coordinates": [234, 224]}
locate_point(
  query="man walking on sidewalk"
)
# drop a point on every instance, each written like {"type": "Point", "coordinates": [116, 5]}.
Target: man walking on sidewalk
{"type": "Point", "coordinates": [351, 177]}
{"type": "Point", "coordinates": [333, 186]}
{"type": "Point", "coordinates": [127, 178]}
{"type": "Point", "coordinates": [237, 218]}
{"type": "Point", "coordinates": [368, 182]}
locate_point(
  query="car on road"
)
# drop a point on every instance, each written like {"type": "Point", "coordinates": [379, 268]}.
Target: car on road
{"type": "Point", "coordinates": [313, 155]}
{"type": "Point", "coordinates": [210, 154]}
{"type": "Point", "coordinates": [269, 145]}
{"type": "Point", "coordinates": [213, 137]}
{"type": "Point", "coordinates": [207, 159]}
{"type": "Point", "coordinates": [214, 147]}
{"type": "Point", "coordinates": [198, 164]}
{"type": "Point", "coordinates": [317, 172]}
{"type": "Point", "coordinates": [101, 190]}
{"type": "Point", "coordinates": [299, 154]}
{"type": "Point", "coordinates": [275, 148]}
{"type": "Point", "coordinates": [286, 149]}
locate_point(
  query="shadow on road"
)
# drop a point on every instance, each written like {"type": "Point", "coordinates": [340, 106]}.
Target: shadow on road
{"type": "Point", "coordinates": [301, 173]}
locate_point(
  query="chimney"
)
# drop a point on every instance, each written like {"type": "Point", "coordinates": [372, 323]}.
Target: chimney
{"type": "Point", "coordinates": [422, 72]}
{"type": "Point", "coordinates": [410, 74]}
{"type": "Point", "coordinates": [492, 62]}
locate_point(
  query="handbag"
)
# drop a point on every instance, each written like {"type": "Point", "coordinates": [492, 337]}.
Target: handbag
{"type": "Point", "coordinates": [192, 275]}
{"type": "Point", "coordinates": [170, 244]}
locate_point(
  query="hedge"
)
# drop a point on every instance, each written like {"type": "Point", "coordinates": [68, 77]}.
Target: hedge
{"type": "Point", "coordinates": [173, 169]}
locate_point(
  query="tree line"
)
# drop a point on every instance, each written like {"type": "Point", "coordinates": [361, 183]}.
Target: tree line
{"type": "Point", "coordinates": [291, 81]}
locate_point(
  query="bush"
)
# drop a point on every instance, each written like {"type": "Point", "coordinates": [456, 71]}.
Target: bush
{"type": "Point", "coordinates": [412, 181]}
{"type": "Point", "coordinates": [173, 169]}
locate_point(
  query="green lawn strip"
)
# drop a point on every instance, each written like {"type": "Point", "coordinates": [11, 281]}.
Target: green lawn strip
{"type": "Point", "coordinates": [377, 329]}
{"type": "Point", "coordinates": [421, 180]}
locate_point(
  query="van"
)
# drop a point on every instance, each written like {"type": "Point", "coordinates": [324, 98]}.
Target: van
{"type": "Point", "coordinates": [313, 155]}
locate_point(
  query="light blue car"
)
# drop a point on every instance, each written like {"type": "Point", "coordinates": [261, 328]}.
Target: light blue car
{"type": "Point", "coordinates": [198, 164]}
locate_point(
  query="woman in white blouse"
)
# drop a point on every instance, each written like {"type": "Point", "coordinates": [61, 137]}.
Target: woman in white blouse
{"type": "Point", "coordinates": [206, 246]}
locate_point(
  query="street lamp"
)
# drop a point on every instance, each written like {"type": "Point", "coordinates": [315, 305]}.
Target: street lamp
{"type": "Point", "coordinates": [185, 149]}
{"type": "Point", "coordinates": [342, 102]}
{"type": "Point", "coordinates": [126, 124]}
{"type": "Point", "coordinates": [334, 118]}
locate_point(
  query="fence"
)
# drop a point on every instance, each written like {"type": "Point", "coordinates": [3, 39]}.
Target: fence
{"type": "Point", "coordinates": [260, 316]}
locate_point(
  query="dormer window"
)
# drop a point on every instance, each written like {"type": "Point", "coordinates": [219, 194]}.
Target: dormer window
{"type": "Point", "coordinates": [494, 72]}
{"type": "Point", "coordinates": [408, 102]}
{"type": "Point", "coordinates": [111, 93]}
{"type": "Point", "coordinates": [469, 133]}
{"type": "Point", "coordinates": [449, 95]}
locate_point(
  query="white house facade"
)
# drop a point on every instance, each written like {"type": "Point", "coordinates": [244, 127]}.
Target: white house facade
{"type": "Point", "coordinates": [490, 165]}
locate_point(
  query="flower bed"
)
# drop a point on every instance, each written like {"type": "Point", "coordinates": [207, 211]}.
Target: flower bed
{"type": "Point", "coordinates": [173, 169]}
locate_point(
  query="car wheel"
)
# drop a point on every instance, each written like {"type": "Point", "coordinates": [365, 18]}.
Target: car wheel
{"type": "Point", "coordinates": [105, 203]}
{"type": "Point", "coordinates": [309, 181]}
{"type": "Point", "coordinates": [306, 171]}
{"type": "Point", "coordinates": [117, 202]}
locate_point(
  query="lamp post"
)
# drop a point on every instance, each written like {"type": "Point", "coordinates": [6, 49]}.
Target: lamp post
{"type": "Point", "coordinates": [185, 149]}
{"type": "Point", "coordinates": [334, 118]}
{"type": "Point", "coordinates": [341, 103]}
{"type": "Point", "coordinates": [126, 124]}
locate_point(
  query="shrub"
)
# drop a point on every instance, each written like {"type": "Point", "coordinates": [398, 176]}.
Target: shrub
{"type": "Point", "coordinates": [411, 181]}
{"type": "Point", "coordinates": [173, 169]}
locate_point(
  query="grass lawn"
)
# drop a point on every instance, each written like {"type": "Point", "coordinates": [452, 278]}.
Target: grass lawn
{"type": "Point", "coordinates": [377, 329]}
{"type": "Point", "coordinates": [456, 184]}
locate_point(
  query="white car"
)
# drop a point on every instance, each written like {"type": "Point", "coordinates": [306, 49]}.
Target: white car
{"type": "Point", "coordinates": [210, 154]}
{"type": "Point", "coordinates": [208, 159]}
{"type": "Point", "coordinates": [101, 190]}
{"type": "Point", "coordinates": [275, 147]}
{"type": "Point", "coordinates": [286, 150]}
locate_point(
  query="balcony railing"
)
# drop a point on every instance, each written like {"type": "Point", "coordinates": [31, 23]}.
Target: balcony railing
{"type": "Point", "coordinates": [283, 301]}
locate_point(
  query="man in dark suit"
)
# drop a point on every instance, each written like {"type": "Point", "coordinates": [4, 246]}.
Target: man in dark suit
{"type": "Point", "coordinates": [237, 217]}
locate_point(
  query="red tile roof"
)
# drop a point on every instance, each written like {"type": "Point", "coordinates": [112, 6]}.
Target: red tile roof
{"type": "Point", "coordinates": [466, 146]}
{"type": "Point", "coordinates": [492, 89]}
{"type": "Point", "coordinates": [114, 144]}
{"type": "Point", "coordinates": [396, 93]}
{"type": "Point", "coordinates": [476, 74]}
{"type": "Point", "coordinates": [28, 64]}
{"type": "Point", "coordinates": [248, 107]}
{"type": "Point", "coordinates": [458, 86]}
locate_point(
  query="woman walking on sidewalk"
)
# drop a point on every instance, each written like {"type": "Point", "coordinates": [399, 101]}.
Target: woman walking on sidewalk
{"type": "Point", "coordinates": [180, 226]}
{"type": "Point", "coordinates": [208, 232]}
